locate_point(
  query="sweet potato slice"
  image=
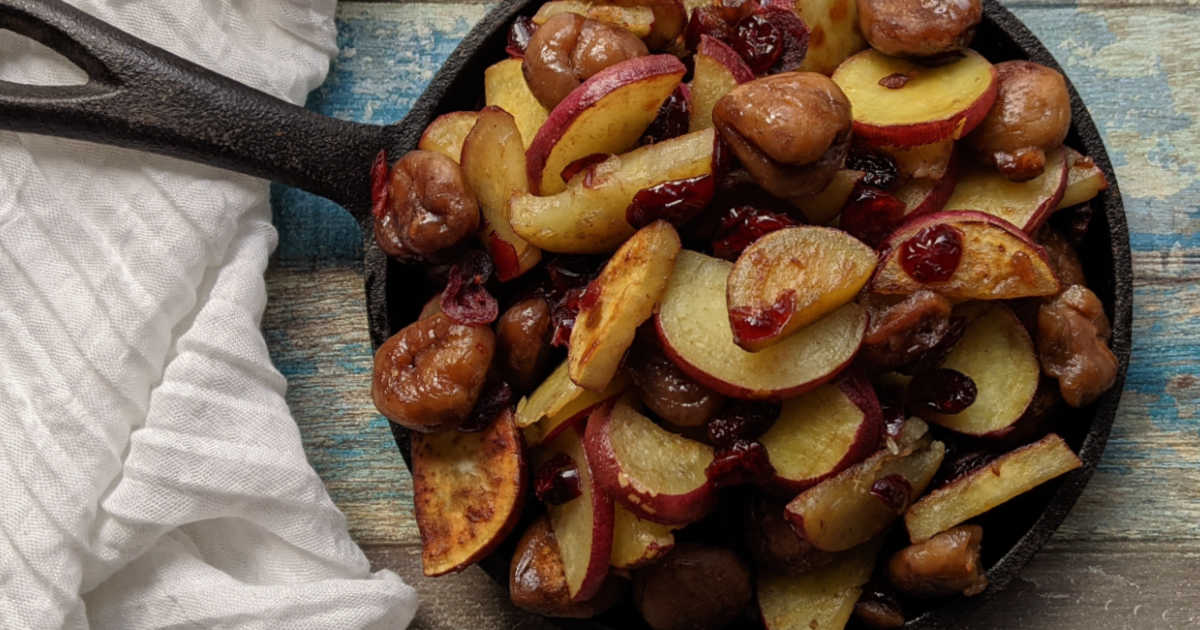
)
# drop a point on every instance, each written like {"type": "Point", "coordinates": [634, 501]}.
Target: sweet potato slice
{"type": "Point", "coordinates": [558, 402]}
{"type": "Point", "coordinates": [658, 475]}
{"type": "Point", "coordinates": [1085, 180]}
{"type": "Point", "coordinates": [638, 542]}
{"type": "Point", "coordinates": [997, 260]}
{"type": "Point", "coordinates": [494, 166]}
{"type": "Point", "coordinates": [823, 598]}
{"type": "Point", "coordinates": [583, 526]}
{"type": "Point", "coordinates": [504, 86]}
{"type": "Point", "coordinates": [467, 489]}
{"type": "Point", "coordinates": [850, 508]}
{"type": "Point", "coordinates": [447, 133]}
{"type": "Point", "coordinates": [618, 301]}
{"type": "Point", "coordinates": [1012, 474]}
{"type": "Point", "coordinates": [538, 583]}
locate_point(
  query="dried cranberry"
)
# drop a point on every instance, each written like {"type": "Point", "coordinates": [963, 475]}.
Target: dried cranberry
{"type": "Point", "coordinates": [758, 41]}
{"type": "Point", "coordinates": [508, 264]}
{"type": "Point", "coordinates": [591, 294]}
{"type": "Point", "coordinates": [676, 201]}
{"type": "Point", "coordinates": [673, 117]}
{"type": "Point", "coordinates": [941, 391]}
{"type": "Point", "coordinates": [492, 401]}
{"type": "Point", "coordinates": [962, 464]}
{"type": "Point", "coordinates": [562, 316]}
{"type": "Point", "coordinates": [894, 81]}
{"type": "Point", "coordinates": [1073, 223]}
{"type": "Point", "coordinates": [894, 491]}
{"type": "Point", "coordinates": [933, 357]}
{"type": "Point", "coordinates": [744, 461]}
{"type": "Point", "coordinates": [379, 185]}
{"type": "Point", "coordinates": [753, 324]}
{"type": "Point", "coordinates": [871, 214]}
{"type": "Point", "coordinates": [466, 299]}
{"type": "Point", "coordinates": [567, 272]}
{"type": "Point", "coordinates": [794, 47]}
{"type": "Point", "coordinates": [518, 36]}
{"type": "Point", "coordinates": [557, 480]}
{"type": "Point", "coordinates": [933, 254]}
{"type": "Point", "coordinates": [743, 225]}
{"type": "Point", "coordinates": [879, 170]}
{"type": "Point", "coordinates": [706, 20]}
{"type": "Point", "coordinates": [741, 420]}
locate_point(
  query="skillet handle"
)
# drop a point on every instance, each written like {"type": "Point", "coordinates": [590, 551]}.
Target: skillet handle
{"type": "Point", "coordinates": [142, 97]}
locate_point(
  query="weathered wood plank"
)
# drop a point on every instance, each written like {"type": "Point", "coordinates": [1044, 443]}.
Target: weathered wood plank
{"type": "Point", "coordinates": [315, 325]}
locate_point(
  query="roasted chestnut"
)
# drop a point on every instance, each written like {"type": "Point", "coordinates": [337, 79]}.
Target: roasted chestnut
{"type": "Point", "coordinates": [429, 207]}
{"type": "Point", "coordinates": [1031, 116]}
{"type": "Point", "coordinates": [791, 131]}
{"type": "Point", "coordinates": [568, 49]}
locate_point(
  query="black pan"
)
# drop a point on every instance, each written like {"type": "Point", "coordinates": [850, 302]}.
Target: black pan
{"type": "Point", "coordinates": [142, 97]}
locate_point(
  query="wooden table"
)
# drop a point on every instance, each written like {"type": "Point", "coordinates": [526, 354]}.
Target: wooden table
{"type": "Point", "coordinates": [1128, 556]}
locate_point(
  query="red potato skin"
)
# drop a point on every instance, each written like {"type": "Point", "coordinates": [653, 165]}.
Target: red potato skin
{"type": "Point", "coordinates": [735, 391]}
{"type": "Point", "coordinates": [576, 422]}
{"type": "Point", "coordinates": [726, 56]}
{"type": "Point", "coordinates": [669, 509]}
{"type": "Point", "coordinates": [950, 216]}
{"type": "Point", "coordinates": [603, 521]}
{"type": "Point", "coordinates": [1049, 205]}
{"type": "Point", "coordinates": [940, 194]}
{"type": "Point", "coordinates": [585, 96]}
{"type": "Point", "coordinates": [602, 508]}
{"type": "Point", "coordinates": [956, 216]}
{"type": "Point", "coordinates": [859, 390]}
{"type": "Point", "coordinates": [934, 130]}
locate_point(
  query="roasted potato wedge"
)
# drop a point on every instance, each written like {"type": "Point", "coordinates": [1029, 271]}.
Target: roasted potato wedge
{"type": "Point", "coordinates": [468, 490]}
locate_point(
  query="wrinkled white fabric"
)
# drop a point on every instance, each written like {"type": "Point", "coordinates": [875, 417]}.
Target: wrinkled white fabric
{"type": "Point", "coordinates": [151, 475]}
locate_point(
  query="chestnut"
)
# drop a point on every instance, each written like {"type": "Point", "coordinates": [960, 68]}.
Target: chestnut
{"type": "Point", "coordinates": [430, 207]}
{"type": "Point", "coordinates": [919, 28]}
{"type": "Point", "coordinates": [429, 375]}
{"type": "Point", "coordinates": [1072, 342]}
{"type": "Point", "coordinates": [523, 342]}
{"type": "Point", "coordinates": [946, 564]}
{"type": "Point", "coordinates": [791, 131]}
{"type": "Point", "coordinates": [1031, 116]}
{"type": "Point", "coordinates": [693, 588]}
{"type": "Point", "coordinates": [568, 49]}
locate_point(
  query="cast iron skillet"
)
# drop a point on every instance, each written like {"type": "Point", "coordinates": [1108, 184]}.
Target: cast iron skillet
{"type": "Point", "coordinates": [142, 97]}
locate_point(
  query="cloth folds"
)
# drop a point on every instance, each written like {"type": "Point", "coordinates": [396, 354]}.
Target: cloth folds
{"type": "Point", "coordinates": [151, 475]}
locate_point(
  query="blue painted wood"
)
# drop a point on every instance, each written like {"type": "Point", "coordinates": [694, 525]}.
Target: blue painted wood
{"type": "Point", "coordinates": [387, 54]}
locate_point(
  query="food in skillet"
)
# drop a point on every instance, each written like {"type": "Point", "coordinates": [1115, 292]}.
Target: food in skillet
{"type": "Point", "coordinates": [729, 298]}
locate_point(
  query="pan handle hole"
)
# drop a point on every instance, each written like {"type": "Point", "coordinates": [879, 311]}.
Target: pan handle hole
{"type": "Point", "coordinates": [28, 62]}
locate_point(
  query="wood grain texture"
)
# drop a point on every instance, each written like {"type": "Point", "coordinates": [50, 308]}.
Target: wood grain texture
{"type": "Point", "coordinates": [316, 332]}
{"type": "Point", "coordinates": [1128, 556]}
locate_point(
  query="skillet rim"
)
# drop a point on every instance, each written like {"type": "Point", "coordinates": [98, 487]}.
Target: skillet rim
{"type": "Point", "coordinates": [385, 287]}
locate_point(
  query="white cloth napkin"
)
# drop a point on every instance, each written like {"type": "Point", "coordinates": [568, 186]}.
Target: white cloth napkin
{"type": "Point", "coordinates": [151, 475]}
